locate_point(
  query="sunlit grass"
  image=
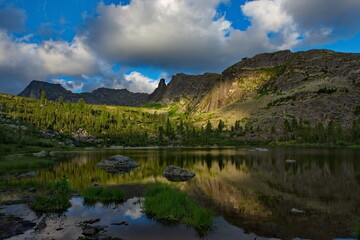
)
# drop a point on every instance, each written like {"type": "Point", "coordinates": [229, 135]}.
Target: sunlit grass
{"type": "Point", "coordinates": [165, 203]}
{"type": "Point", "coordinates": [99, 194]}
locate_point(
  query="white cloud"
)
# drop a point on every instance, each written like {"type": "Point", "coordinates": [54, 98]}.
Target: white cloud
{"type": "Point", "coordinates": [21, 61]}
{"type": "Point", "coordinates": [69, 85]}
{"type": "Point", "coordinates": [164, 33]}
{"type": "Point", "coordinates": [175, 35]}
{"type": "Point", "coordinates": [139, 83]}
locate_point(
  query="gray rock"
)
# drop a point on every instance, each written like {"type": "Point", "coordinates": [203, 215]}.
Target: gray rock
{"type": "Point", "coordinates": [42, 153]}
{"type": "Point", "coordinates": [290, 161]}
{"type": "Point", "coordinates": [28, 175]}
{"type": "Point", "coordinates": [260, 149]}
{"type": "Point", "coordinates": [116, 147]}
{"type": "Point", "coordinates": [297, 211]}
{"type": "Point", "coordinates": [16, 155]}
{"type": "Point", "coordinates": [90, 148]}
{"type": "Point", "coordinates": [177, 174]}
{"type": "Point", "coordinates": [118, 164]}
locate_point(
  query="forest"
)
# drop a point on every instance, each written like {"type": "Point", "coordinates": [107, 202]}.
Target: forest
{"type": "Point", "coordinates": [26, 121]}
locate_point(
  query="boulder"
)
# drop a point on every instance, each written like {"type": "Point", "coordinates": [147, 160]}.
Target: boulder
{"type": "Point", "coordinates": [118, 164]}
{"type": "Point", "coordinates": [177, 174]}
{"type": "Point", "coordinates": [260, 149]}
{"type": "Point", "coordinates": [297, 211]}
{"type": "Point", "coordinates": [42, 153]}
{"type": "Point", "coordinates": [28, 175]}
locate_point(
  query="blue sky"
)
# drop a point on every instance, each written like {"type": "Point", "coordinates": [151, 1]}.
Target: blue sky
{"type": "Point", "coordinates": [84, 44]}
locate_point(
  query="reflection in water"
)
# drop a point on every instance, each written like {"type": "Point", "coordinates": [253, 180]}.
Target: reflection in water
{"type": "Point", "coordinates": [140, 227]}
{"type": "Point", "coordinates": [253, 190]}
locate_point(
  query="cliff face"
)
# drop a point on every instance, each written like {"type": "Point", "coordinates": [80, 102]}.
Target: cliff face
{"type": "Point", "coordinates": [188, 90]}
{"type": "Point", "coordinates": [315, 85]}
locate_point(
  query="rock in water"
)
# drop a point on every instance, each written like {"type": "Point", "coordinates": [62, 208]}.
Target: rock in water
{"type": "Point", "coordinates": [297, 211]}
{"type": "Point", "coordinates": [43, 153]}
{"type": "Point", "coordinates": [176, 174]}
{"type": "Point", "coordinates": [28, 175]}
{"type": "Point", "coordinates": [260, 149]}
{"type": "Point", "coordinates": [118, 164]}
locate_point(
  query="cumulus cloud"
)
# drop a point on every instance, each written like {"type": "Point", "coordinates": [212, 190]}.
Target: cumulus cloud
{"type": "Point", "coordinates": [175, 35]}
{"type": "Point", "coordinates": [324, 20]}
{"type": "Point", "coordinates": [159, 32]}
{"type": "Point", "coordinates": [21, 61]}
{"type": "Point", "coordinates": [189, 35]}
{"type": "Point", "coordinates": [69, 85]}
{"type": "Point", "coordinates": [12, 19]}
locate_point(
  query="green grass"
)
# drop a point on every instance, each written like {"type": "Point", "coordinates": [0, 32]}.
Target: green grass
{"type": "Point", "coordinates": [99, 194]}
{"type": "Point", "coordinates": [165, 203]}
{"type": "Point", "coordinates": [55, 198]}
{"type": "Point", "coordinates": [155, 106]}
{"type": "Point", "coordinates": [173, 111]}
{"type": "Point", "coordinates": [14, 164]}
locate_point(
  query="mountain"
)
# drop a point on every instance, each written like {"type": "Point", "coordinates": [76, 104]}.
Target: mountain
{"type": "Point", "coordinates": [106, 96]}
{"type": "Point", "coordinates": [315, 85]}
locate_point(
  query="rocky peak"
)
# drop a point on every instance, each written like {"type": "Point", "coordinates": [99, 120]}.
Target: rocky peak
{"type": "Point", "coordinates": [162, 83]}
{"type": "Point", "coordinates": [158, 92]}
{"type": "Point", "coordinates": [34, 89]}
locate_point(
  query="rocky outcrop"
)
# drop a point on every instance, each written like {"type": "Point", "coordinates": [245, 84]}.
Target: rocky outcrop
{"type": "Point", "coordinates": [158, 92]}
{"type": "Point", "coordinates": [177, 174]}
{"type": "Point", "coordinates": [42, 153]}
{"type": "Point", "coordinates": [28, 175]}
{"type": "Point", "coordinates": [188, 88]}
{"type": "Point", "coordinates": [118, 164]}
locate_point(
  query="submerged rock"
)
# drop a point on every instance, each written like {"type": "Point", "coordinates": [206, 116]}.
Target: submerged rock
{"type": "Point", "coordinates": [28, 175]}
{"type": "Point", "coordinates": [118, 164]}
{"type": "Point", "coordinates": [42, 153]}
{"type": "Point", "coordinates": [177, 174]}
{"type": "Point", "coordinates": [12, 226]}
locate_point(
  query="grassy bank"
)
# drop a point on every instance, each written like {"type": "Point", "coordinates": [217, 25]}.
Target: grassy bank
{"type": "Point", "coordinates": [54, 198]}
{"type": "Point", "coordinates": [165, 203]}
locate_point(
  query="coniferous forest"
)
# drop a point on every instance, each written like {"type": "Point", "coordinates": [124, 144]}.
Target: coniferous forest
{"type": "Point", "coordinates": [101, 125]}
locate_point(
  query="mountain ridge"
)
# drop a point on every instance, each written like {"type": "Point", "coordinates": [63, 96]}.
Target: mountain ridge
{"type": "Point", "coordinates": [316, 85]}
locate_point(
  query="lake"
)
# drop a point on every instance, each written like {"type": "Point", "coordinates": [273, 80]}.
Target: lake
{"type": "Point", "coordinates": [283, 193]}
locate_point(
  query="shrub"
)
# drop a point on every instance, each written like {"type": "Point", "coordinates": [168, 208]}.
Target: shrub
{"type": "Point", "coordinates": [54, 199]}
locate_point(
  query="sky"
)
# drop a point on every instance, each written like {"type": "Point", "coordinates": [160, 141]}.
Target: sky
{"type": "Point", "coordinates": [87, 44]}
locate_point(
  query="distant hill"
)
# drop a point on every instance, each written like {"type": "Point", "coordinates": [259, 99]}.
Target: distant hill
{"type": "Point", "coordinates": [121, 97]}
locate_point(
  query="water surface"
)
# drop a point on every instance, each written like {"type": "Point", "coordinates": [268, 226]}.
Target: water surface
{"type": "Point", "coordinates": [252, 193]}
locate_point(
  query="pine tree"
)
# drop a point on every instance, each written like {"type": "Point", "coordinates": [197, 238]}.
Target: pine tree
{"type": "Point", "coordinates": [221, 125]}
